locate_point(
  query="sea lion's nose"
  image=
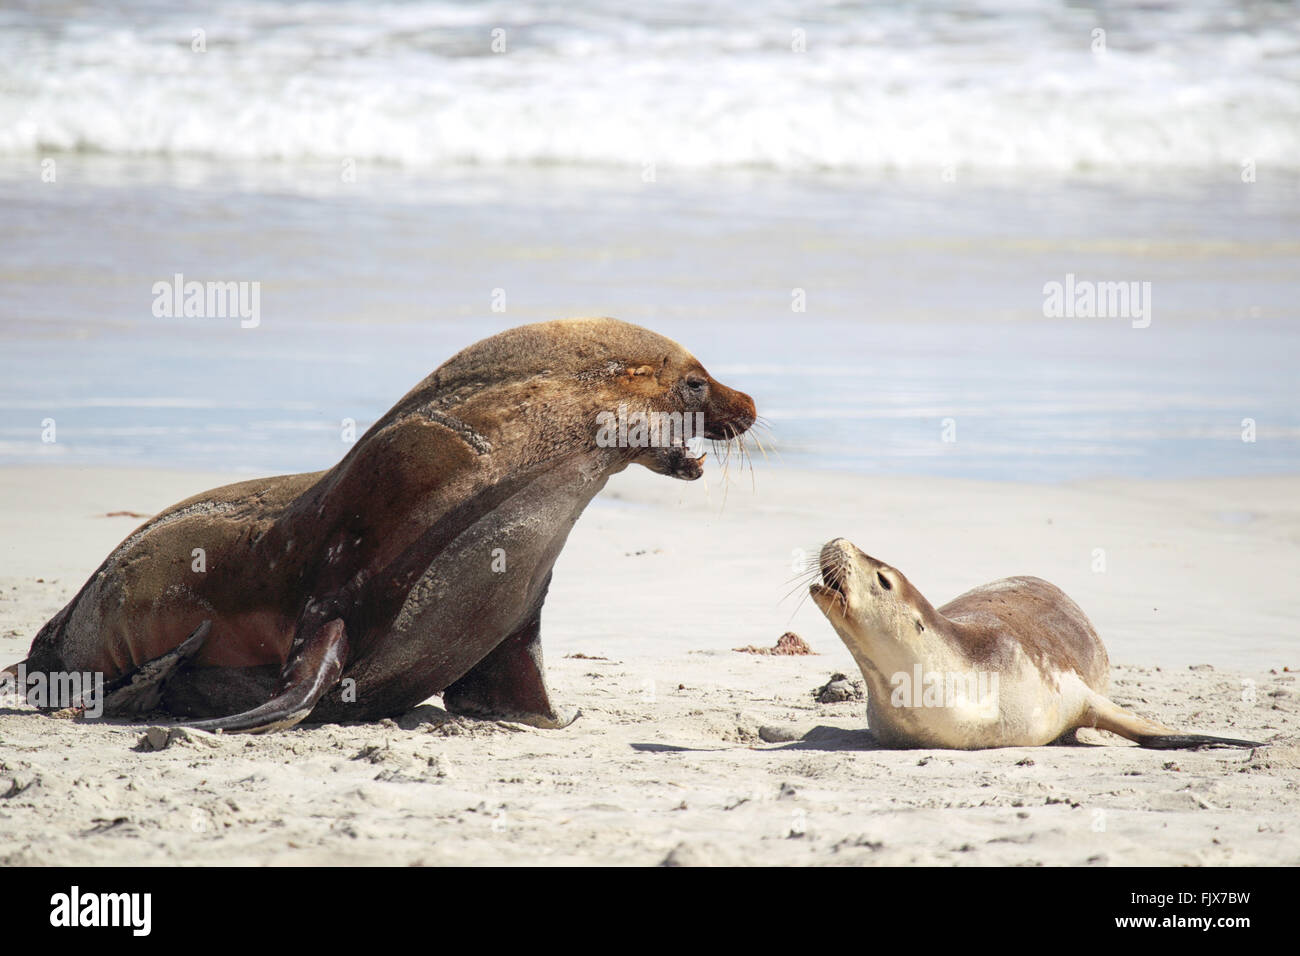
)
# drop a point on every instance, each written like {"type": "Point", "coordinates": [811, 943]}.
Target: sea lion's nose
{"type": "Point", "coordinates": [745, 411]}
{"type": "Point", "coordinates": [836, 545]}
{"type": "Point", "coordinates": [733, 412]}
{"type": "Point", "coordinates": [836, 552]}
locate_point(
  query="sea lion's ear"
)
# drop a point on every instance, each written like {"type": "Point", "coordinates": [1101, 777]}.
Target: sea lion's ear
{"type": "Point", "coordinates": [641, 370]}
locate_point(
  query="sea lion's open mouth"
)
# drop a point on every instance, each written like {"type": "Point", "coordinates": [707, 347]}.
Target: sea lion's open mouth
{"type": "Point", "coordinates": [831, 590]}
{"type": "Point", "coordinates": [724, 417]}
{"type": "Point", "coordinates": [829, 598]}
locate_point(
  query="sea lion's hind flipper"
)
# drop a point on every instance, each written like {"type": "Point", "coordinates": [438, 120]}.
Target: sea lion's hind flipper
{"type": "Point", "coordinates": [1192, 741]}
{"type": "Point", "coordinates": [140, 691]}
{"type": "Point", "coordinates": [509, 684]}
{"type": "Point", "coordinates": [1107, 715]}
{"type": "Point", "coordinates": [313, 668]}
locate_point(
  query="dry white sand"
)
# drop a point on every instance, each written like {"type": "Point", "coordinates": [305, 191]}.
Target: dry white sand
{"type": "Point", "coordinates": [688, 751]}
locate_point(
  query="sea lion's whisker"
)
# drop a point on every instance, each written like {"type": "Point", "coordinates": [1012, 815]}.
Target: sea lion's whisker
{"type": "Point", "coordinates": [797, 608]}
{"type": "Point", "coordinates": [797, 589]}
{"type": "Point", "coordinates": [804, 573]}
{"type": "Point", "coordinates": [804, 581]}
{"type": "Point", "coordinates": [802, 591]}
{"type": "Point", "coordinates": [745, 456]}
{"type": "Point", "coordinates": [836, 578]}
{"type": "Point", "coordinates": [776, 451]}
{"type": "Point", "coordinates": [726, 473]}
{"type": "Point", "coordinates": [811, 562]}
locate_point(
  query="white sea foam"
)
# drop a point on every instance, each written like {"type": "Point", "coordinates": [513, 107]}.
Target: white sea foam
{"type": "Point", "coordinates": [992, 85]}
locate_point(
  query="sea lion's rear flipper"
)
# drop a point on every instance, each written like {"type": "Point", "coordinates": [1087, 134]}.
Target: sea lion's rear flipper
{"type": "Point", "coordinates": [140, 691]}
{"type": "Point", "coordinates": [509, 684]}
{"type": "Point", "coordinates": [313, 668]}
{"type": "Point", "coordinates": [1107, 715]}
{"type": "Point", "coordinates": [1193, 741]}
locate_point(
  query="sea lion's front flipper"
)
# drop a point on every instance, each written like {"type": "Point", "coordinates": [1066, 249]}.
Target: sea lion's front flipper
{"type": "Point", "coordinates": [313, 668]}
{"type": "Point", "coordinates": [140, 691]}
{"type": "Point", "coordinates": [509, 684]}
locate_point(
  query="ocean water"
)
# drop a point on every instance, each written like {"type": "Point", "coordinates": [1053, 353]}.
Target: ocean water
{"type": "Point", "coordinates": [858, 234]}
{"type": "Point", "coordinates": [702, 84]}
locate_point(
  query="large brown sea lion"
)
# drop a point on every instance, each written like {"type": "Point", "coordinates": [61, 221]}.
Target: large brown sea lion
{"type": "Point", "coordinates": [417, 565]}
{"type": "Point", "coordinates": [1013, 663]}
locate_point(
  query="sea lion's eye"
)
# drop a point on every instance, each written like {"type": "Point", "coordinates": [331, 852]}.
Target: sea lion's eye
{"type": "Point", "coordinates": [697, 385]}
{"type": "Point", "coordinates": [884, 581]}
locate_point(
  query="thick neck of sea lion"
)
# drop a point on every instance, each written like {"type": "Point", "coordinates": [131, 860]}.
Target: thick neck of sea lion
{"type": "Point", "coordinates": [539, 504]}
{"type": "Point", "coordinates": [408, 490]}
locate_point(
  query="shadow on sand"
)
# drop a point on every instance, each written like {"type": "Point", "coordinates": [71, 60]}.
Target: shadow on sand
{"type": "Point", "coordinates": [820, 737]}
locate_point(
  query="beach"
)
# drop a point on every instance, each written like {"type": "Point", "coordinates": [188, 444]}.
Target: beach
{"type": "Point", "coordinates": [688, 751]}
{"type": "Point", "coordinates": [1013, 288]}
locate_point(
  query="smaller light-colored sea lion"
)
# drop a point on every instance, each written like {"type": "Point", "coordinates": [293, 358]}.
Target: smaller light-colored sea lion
{"type": "Point", "coordinates": [1013, 663]}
